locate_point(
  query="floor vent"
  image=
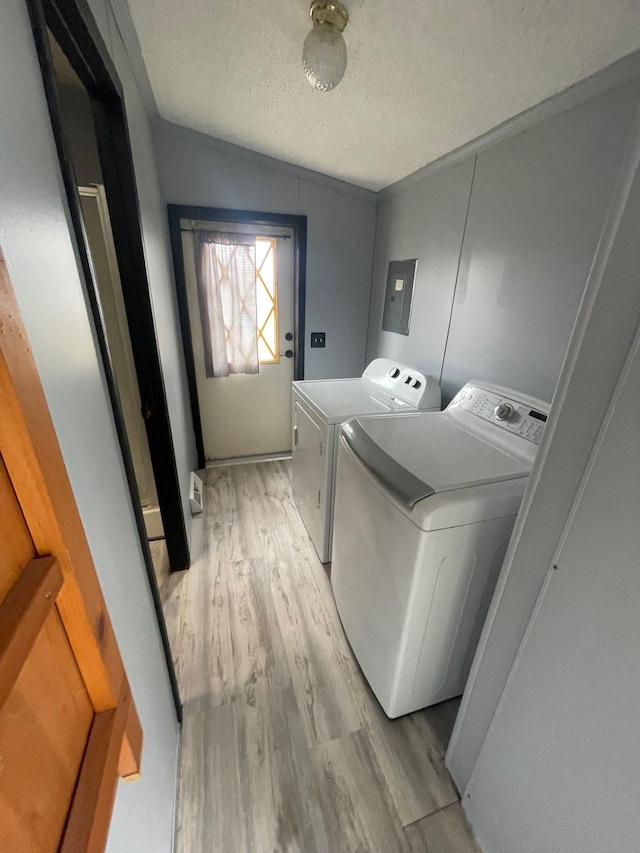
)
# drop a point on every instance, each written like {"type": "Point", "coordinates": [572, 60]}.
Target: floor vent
{"type": "Point", "coordinates": [195, 493]}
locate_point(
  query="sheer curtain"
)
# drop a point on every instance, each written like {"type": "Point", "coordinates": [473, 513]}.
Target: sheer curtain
{"type": "Point", "coordinates": [226, 273]}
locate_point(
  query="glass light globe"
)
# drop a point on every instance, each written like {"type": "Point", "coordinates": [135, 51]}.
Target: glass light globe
{"type": "Point", "coordinates": [324, 57]}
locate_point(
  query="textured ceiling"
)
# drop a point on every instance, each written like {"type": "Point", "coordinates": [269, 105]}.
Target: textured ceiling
{"type": "Point", "coordinates": [424, 76]}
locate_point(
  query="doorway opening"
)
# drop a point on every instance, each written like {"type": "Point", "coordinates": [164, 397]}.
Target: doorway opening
{"type": "Point", "coordinates": [86, 106]}
{"type": "Point", "coordinates": [243, 412]}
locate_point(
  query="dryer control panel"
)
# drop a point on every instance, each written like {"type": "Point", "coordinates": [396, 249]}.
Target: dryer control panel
{"type": "Point", "coordinates": [406, 385]}
{"type": "Point", "coordinates": [522, 417]}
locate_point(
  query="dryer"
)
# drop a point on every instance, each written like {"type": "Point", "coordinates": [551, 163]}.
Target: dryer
{"type": "Point", "coordinates": [319, 408]}
{"type": "Point", "coordinates": [424, 511]}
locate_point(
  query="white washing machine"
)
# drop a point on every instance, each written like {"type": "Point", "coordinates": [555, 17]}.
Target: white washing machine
{"type": "Point", "coordinates": [320, 407]}
{"type": "Point", "coordinates": [424, 510]}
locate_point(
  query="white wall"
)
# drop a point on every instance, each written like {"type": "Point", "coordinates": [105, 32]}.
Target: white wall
{"type": "Point", "coordinates": [40, 253]}
{"type": "Point", "coordinates": [535, 213]}
{"type": "Point", "coordinates": [195, 169]}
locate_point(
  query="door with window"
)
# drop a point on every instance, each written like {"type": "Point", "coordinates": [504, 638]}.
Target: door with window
{"type": "Point", "coordinates": [245, 413]}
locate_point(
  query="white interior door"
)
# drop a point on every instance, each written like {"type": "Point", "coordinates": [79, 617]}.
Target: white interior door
{"type": "Point", "coordinates": [250, 415]}
{"type": "Point", "coordinates": [95, 214]}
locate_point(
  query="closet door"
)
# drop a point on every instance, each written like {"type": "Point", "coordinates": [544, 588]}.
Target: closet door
{"type": "Point", "coordinates": [68, 725]}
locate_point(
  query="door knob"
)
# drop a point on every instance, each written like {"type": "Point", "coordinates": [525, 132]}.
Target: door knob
{"type": "Point", "coordinates": [289, 353]}
{"type": "Point", "coordinates": [288, 336]}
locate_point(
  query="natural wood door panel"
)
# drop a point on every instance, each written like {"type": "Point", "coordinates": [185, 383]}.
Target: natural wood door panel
{"type": "Point", "coordinates": [17, 546]}
{"type": "Point", "coordinates": [22, 615]}
{"type": "Point", "coordinates": [44, 727]}
{"type": "Point", "coordinates": [45, 720]}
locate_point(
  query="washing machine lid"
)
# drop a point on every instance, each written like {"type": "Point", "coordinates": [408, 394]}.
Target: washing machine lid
{"type": "Point", "coordinates": [427, 454]}
{"type": "Point", "coordinates": [336, 400]}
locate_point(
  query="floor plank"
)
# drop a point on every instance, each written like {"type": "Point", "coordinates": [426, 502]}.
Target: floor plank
{"type": "Point", "coordinates": [322, 670]}
{"type": "Point", "coordinates": [359, 813]}
{"type": "Point", "coordinates": [204, 656]}
{"type": "Point", "coordinates": [446, 831]}
{"type": "Point", "coordinates": [412, 762]}
{"type": "Point", "coordinates": [211, 814]}
{"type": "Point", "coordinates": [285, 748]}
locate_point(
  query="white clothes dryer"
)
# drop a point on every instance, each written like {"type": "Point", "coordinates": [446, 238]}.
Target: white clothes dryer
{"type": "Point", "coordinates": [425, 507]}
{"type": "Point", "coordinates": [320, 407]}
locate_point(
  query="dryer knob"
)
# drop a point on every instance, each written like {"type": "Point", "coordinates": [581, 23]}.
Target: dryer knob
{"type": "Point", "coordinates": [503, 412]}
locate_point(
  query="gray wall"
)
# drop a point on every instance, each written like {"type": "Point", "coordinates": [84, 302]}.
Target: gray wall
{"type": "Point", "coordinates": [195, 169]}
{"type": "Point", "coordinates": [536, 209]}
{"type": "Point", "coordinates": [35, 237]}
{"type": "Point", "coordinates": [558, 769]}
{"type": "Point", "coordinates": [424, 221]}
{"type": "Point", "coordinates": [607, 322]}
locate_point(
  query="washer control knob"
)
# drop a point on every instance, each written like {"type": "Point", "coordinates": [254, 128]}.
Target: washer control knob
{"type": "Point", "coordinates": [503, 412]}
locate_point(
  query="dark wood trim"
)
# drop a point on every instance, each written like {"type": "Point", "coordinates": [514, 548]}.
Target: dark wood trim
{"type": "Point", "coordinates": [75, 29]}
{"type": "Point", "coordinates": [72, 24]}
{"type": "Point", "coordinates": [185, 328]}
{"type": "Point", "coordinates": [297, 223]}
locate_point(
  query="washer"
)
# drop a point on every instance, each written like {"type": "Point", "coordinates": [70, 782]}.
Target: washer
{"type": "Point", "coordinates": [320, 406]}
{"type": "Point", "coordinates": [424, 510]}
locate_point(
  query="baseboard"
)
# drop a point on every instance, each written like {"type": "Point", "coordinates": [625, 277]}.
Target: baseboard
{"type": "Point", "coordinates": [174, 822]}
{"type": "Point", "coordinates": [248, 460]}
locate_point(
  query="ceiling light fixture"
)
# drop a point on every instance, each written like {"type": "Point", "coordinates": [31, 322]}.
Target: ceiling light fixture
{"type": "Point", "coordinates": [324, 55]}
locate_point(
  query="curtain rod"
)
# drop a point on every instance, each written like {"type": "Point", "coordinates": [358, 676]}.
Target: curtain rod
{"type": "Point", "coordinates": [246, 233]}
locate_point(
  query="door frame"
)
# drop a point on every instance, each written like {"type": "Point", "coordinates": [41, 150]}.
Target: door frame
{"type": "Point", "coordinates": [298, 225]}
{"type": "Point", "coordinates": [74, 28]}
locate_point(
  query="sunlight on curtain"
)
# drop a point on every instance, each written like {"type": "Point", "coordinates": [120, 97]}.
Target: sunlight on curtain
{"type": "Point", "coordinates": [267, 299]}
{"type": "Point", "coordinates": [226, 272]}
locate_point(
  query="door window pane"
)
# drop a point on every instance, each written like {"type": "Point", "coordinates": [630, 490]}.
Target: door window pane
{"type": "Point", "coordinates": [267, 300]}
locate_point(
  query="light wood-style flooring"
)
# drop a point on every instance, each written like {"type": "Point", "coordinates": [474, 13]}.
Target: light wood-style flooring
{"type": "Point", "coordinates": [284, 747]}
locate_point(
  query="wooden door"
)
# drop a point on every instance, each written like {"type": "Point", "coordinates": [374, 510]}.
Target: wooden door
{"type": "Point", "coordinates": [68, 725]}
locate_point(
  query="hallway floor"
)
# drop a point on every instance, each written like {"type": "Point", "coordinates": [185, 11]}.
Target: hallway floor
{"type": "Point", "coordinates": [284, 747]}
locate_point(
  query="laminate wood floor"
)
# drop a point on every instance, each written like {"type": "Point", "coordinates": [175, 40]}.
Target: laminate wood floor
{"type": "Point", "coordinates": [284, 747]}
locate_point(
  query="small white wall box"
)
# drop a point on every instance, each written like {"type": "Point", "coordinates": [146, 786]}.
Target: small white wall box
{"type": "Point", "coordinates": [195, 493]}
